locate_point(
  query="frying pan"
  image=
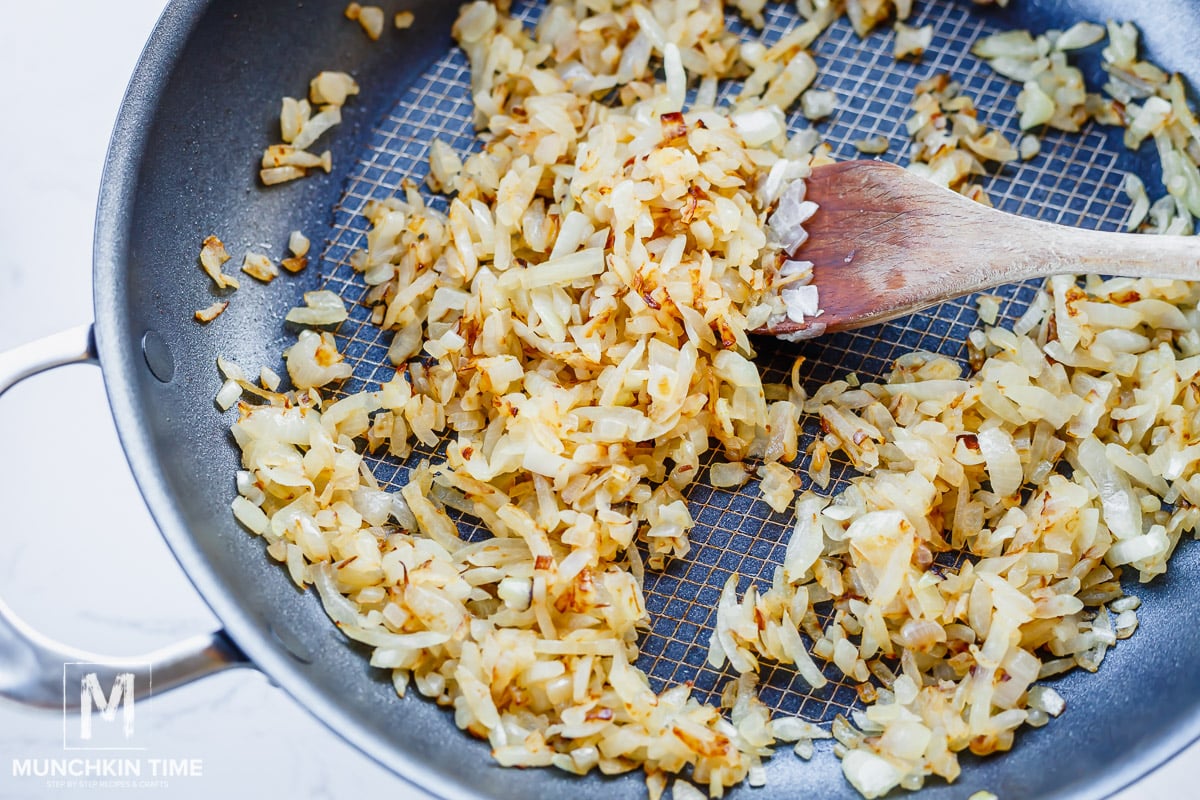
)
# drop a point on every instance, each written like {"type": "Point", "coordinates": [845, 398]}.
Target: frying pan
{"type": "Point", "coordinates": [200, 107]}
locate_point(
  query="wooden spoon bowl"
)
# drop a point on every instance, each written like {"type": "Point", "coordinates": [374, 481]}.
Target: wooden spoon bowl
{"type": "Point", "coordinates": [885, 243]}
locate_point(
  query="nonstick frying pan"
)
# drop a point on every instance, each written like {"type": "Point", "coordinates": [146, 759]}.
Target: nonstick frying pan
{"type": "Point", "coordinates": [202, 104]}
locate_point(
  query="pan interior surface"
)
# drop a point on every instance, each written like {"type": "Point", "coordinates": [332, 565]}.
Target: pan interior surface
{"type": "Point", "coordinates": [1074, 181]}
{"type": "Point", "coordinates": [1114, 728]}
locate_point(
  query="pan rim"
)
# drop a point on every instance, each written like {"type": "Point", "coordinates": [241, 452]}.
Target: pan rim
{"type": "Point", "coordinates": [117, 349]}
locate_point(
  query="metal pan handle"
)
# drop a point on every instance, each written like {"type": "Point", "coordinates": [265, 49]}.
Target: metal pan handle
{"type": "Point", "coordinates": [32, 666]}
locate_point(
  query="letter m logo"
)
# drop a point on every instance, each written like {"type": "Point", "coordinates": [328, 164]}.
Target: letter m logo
{"type": "Point", "coordinates": [121, 695]}
{"type": "Point", "coordinates": [101, 715]}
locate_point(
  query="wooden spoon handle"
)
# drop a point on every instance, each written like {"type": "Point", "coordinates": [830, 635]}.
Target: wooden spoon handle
{"type": "Point", "coordinates": [1070, 250]}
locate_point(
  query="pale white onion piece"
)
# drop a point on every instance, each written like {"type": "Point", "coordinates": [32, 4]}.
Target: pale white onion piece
{"type": "Point", "coordinates": [817, 104]}
{"type": "Point", "coordinates": [331, 88]}
{"type": "Point", "coordinates": [1003, 461]}
{"type": "Point", "coordinates": [1081, 34]}
{"type": "Point", "coordinates": [369, 17]}
{"type": "Point", "coordinates": [872, 775]}
{"type": "Point", "coordinates": [912, 42]}
{"type": "Point", "coordinates": [314, 361]}
{"type": "Point", "coordinates": [321, 307]}
{"type": "Point", "coordinates": [320, 122]}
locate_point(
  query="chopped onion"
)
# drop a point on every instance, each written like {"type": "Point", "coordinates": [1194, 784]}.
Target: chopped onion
{"type": "Point", "coordinates": [912, 42]}
{"type": "Point", "coordinates": [818, 104]}
{"type": "Point", "coordinates": [320, 308]}
{"type": "Point", "coordinates": [870, 774]}
{"type": "Point", "coordinates": [1003, 461]}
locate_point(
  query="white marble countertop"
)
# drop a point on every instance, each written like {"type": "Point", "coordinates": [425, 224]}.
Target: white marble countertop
{"type": "Point", "coordinates": [65, 67]}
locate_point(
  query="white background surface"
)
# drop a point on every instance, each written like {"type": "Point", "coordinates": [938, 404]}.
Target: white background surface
{"type": "Point", "coordinates": [81, 559]}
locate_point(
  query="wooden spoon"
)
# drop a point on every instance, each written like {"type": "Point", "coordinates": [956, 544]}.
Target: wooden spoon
{"type": "Point", "coordinates": [885, 243]}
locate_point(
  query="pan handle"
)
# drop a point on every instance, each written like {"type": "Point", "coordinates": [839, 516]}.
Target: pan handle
{"type": "Point", "coordinates": [34, 668]}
